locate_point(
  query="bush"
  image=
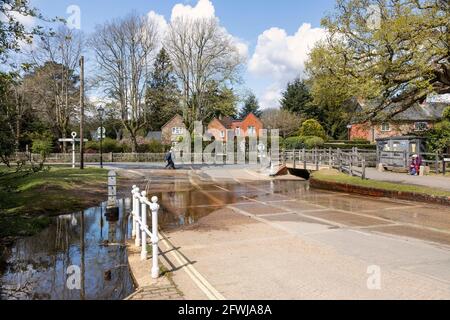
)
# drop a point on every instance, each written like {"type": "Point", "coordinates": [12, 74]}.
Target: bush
{"type": "Point", "coordinates": [446, 115]}
{"type": "Point", "coordinates": [312, 128]}
{"type": "Point", "coordinates": [109, 145]}
{"type": "Point", "coordinates": [294, 143]}
{"type": "Point", "coordinates": [152, 146]}
{"type": "Point", "coordinates": [314, 142]}
{"type": "Point", "coordinates": [343, 146]}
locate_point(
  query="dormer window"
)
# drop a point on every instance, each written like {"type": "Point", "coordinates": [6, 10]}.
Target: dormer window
{"type": "Point", "coordinates": [421, 126]}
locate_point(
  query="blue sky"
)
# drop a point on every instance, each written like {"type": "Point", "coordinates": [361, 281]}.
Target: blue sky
{"type": "Point", "coordinates": [277, 48]}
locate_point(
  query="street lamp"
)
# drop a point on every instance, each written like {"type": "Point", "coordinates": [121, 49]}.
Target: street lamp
{"type": "Point", "coordinates": [101, 113]}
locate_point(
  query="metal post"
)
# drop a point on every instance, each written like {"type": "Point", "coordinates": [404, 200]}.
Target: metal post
{"type": "Point", "coordinates": [305, 165]}
{"type": "Point", "coordinates": [137, 214]}
{"type": "Point", "coordinates": [144, 251]}
{"type": "Point", "coordinates": [317, 159]}
{"type": "Point", "coordinates": [330, 158]}
{"type": "Point", "coordinates": [73, 153]}
{"type": "Point", "coordinates": [82, 113]}
{"type": "Point", "coordinates": [101, 141]}
{"type": "Point", "coordinates": [154, 207]}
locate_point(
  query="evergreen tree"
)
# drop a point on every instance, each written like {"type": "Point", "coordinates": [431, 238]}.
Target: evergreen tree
{"type": "Point", "coordinates": [162, 96]}
{"type": "Point", "coordinates": [251, 105]}
{"type": "Point", "coordinates": [297, 99]}
{"type": "Point", "coordinates": [220, 101]}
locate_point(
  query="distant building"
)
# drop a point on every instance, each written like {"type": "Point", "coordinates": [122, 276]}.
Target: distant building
{"type": "Point", "coordinates": [416, 119]}
{"type": "Point", "coordinates": [173, 131]}
{"type": "Point", "coordinates": [250, 126]}
{"type": "Point", "coordinates": [155, 136]}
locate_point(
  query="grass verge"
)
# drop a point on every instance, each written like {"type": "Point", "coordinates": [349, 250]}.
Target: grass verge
{"type": "Point", "coordinates": [27, 201]}
{"type": "Point", "coordinates": [335, 176]}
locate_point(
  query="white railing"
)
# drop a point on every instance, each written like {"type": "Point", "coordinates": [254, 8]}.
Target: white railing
{"type": "Point", "coordinates": [141, 230]}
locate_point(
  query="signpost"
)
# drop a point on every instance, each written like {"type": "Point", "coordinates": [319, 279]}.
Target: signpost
{"type": "Point", "coordinates": [74, 140]}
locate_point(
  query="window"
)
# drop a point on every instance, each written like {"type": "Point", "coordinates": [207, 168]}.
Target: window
{"type": "Point", "coordinates": [251, 131]}
{"type": "Point", "coordinates": [222, 134]}
{"type": "Point", "coordinates": [385, 127]}
{"type": "Point", "coordinates": [238, 132]}
{"type": "Point", "coordinates": [421, 126]}
{"type": "Point", "coordinates": [177, 131]}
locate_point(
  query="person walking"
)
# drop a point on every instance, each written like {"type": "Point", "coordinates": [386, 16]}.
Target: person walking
{"type": "Point", "coordinates": [170, 160]}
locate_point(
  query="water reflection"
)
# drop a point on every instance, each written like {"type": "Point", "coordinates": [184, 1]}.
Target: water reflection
{"type": "Point", "coordinates": [37, 267]}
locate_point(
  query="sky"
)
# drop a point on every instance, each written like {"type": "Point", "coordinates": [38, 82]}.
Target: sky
{"type": "Point", "coordinates": [273, 36]}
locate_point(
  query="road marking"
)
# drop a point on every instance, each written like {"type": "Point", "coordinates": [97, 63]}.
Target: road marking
{"type": "Point", "coordinates": [195, 276]}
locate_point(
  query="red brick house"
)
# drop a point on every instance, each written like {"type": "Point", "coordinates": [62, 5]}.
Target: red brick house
{"type": "Point", "coordinates": [250, 126]}
{"type": "Point", "coordinates": [173, 131]}
{"type": "Point", "coordinates": [416, 119]}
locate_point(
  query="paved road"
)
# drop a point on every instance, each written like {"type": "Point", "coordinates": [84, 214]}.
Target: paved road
{"type": "Point", "coordinates": [281, 240]}
{"type": "Point", "coordinates": [427, 181]}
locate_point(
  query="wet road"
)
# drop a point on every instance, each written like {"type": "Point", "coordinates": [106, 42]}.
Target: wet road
{"type": "Point", "coordinates": [282, 240]}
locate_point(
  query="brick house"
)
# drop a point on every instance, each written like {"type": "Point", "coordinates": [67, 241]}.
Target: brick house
{"type": "Point", "coordinates": [416, 119]}
{"type": "Point", "coordinates": [249, 126]}
{"type": "Point", "coordinates": [173, 130]}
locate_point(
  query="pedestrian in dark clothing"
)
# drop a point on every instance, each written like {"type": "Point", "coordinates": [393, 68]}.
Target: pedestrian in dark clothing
{"type": "Point", "coordinates": [169, 159]}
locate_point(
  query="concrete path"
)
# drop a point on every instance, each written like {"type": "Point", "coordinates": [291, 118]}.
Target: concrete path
{"type": "Point", "coordinates": [427, 181]}
{"type": "Point", "coordinates": [274, 239]}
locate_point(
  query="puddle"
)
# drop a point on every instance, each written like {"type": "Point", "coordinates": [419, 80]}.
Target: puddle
{"type": "Point", "coordinates": [79, 257]}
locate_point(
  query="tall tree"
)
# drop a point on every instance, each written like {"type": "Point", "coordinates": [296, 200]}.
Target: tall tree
{"type": "Point", "coordinates": [388, 51]}
{"type": "Point", "coordinates": [251, 105]}
{"type": "Point", "coordinates": [12, 30]}
{"type": "Point", "coordinates": [124, 50]}
{"type": "Point", "coordinates": [201, 52]}
{"type": "Point", "coordinates": [57, 59]}
{"type": "Point", "coordinates": [54, 106]}
{"type": "Point", "coordinates": [297, 99]}
{"type": "Point", "coordinates": [162, 96]}
{"type": "Point", "coordinates": [219, 101]}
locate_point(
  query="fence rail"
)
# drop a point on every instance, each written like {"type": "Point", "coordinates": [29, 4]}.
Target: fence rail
{"type": "Point", "coordinates": [350, 162]}
{"type": "Point", "coordinates": [141, 231]}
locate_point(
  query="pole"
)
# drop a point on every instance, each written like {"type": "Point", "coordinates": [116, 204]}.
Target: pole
{"type": "Point", "coordinates": [82, 113]}
{"type": "Point", "coordinates": [154, 207]}
{"type": "Point", "coordinates": [101, 141]}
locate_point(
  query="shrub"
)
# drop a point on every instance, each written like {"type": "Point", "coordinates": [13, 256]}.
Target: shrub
{"type": "Point", "coordinates": [294, 143]}
{"type": "Point", "coordinates": [312, 128]}
{"type": "Point", "coordinates": [314, 142]}
{"type": "Point", "coordinates": [446, 114]}
{"type": "Point", "coordinates": [108, 145]}
{"type": "Point", "coordinates": [152, 146]}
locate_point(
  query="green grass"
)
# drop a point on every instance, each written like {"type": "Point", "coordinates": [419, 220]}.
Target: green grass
{"type": "Point", "coordinates": [335, 176]}
{"type": "Point", "coordinates": [27, 200]}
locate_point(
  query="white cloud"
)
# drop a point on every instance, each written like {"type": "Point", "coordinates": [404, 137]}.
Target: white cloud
{"type": "Point", "coordinates": [203, 9]}
{"type": "Point", "coordinates": [281, 58]}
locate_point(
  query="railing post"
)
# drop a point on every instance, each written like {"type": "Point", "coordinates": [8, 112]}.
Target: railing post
{"type": "Point", "coordinates": [154, 207]}
{"type": "Point", "coordinates": [437, 163]}
{"type": "Point", "coordinates": [363, 175]}
{"type": "Point", "coordinates": [144, 251]}
{"type": "Point", "coordinates": [330, 158]}
{"type": "Point", "coordinates": [133, 212]}
{"type": "Point", "coordinates": [339, 160]}
{"type": "Point", "coordinates": [317, 158]}
{"type": "Point", "coordinates": [295, 160]}
{"type": "Point", "coordinates": [137, 214]}
{"type": "Point", "coordinates": [305, 165]}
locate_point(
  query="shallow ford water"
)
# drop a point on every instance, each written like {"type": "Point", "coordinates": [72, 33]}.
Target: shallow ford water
{"type": "Point", "coordinates": [80, 256]}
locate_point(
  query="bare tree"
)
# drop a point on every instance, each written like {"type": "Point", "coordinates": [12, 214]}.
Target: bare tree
{"type": "Point", "coordinates": [54, 82]}
{"type": "Point", "coordinates": [287, 122]}
{"type": "Point", "coordinates": [124, 51]}
{"type": "Point", "coordinates": [201, 52]}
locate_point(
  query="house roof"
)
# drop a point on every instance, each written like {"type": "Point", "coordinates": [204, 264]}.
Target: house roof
{"type": "Point", "coordinates": [171, 120]}
{"type": "Point", "coordinates": [228, 122]}
{"type": "Point", "coordinates": [154, 135]}
{"type": "Point", "coordinates": [426, 111]}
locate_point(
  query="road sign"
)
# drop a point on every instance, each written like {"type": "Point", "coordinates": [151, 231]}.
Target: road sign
{"type": "Point", "coordinates": [446, 159]}
{"type": "Point", "coordinates": [101, 134]}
